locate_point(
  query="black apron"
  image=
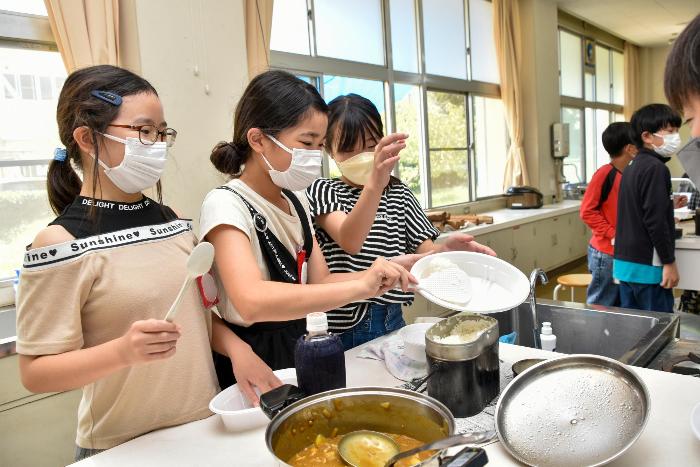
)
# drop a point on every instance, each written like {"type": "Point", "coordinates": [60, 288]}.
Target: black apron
{"type": "Point", "coordinates": [272, 341]}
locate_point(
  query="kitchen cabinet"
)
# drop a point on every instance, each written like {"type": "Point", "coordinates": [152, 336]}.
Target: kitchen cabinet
{"type": "Point", "coordinates": [547, 244]}
{"type": "Point", "coordinates": [35, 429]}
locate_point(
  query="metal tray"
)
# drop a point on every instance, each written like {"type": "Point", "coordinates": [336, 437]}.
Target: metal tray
{"type": "Point", "coordinates": [580, 410]}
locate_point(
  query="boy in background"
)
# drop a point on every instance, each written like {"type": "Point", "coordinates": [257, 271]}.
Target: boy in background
{"type": "Point", "coordinates": [599, 213]}
{"type": "Point", "coordinates": [645, 262]}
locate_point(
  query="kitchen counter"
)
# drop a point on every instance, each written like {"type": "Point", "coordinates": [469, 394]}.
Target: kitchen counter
{"type": "Point", "coordinates": [504, 218]}
{"type": "Point", "coordinates": [688, 257]}
{"type": "Point", "coordinates": [667, 438]}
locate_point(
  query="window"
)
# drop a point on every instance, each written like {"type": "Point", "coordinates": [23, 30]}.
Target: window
{"type": "Point", "coordinates": [570, 64]}
{"type": "Point", "coordinates": [30, 7]}
{"type": "Point", "coordinates": [10, 86]}
{"type": "Point", "coordinates": [290, 28]}
{"type": "Point", "coordinates": [445, 38]}
{"type": "Point", "coordinates": [404, 44]}
{"type": "Point", "coordinates": [618, 78]}
{"type": "Point", "coordinates": [350, 30]}
{"type": "Point", "coordinates": [407, 108]}
{"type": "Point", "coordinates": [483, 48]}
{"type": "Point", "coordinates": [31, 78]}
{"type": "Point", "coordinates": [490, 145]}
{"type": "Point", "coordinates": [592, 95]}
{"type": "Point", "coordinates": [574, 163]}
{"type": "Point", "coordinates": [435, 79]}
{"type": "Point", "coordinates": [602, 74]}
{"type": "Point", "coordinates": [447, 139]}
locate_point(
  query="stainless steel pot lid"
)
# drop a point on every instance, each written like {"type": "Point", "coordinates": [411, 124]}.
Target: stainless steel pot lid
{"type": "Point", "coordinates": [580, 410]}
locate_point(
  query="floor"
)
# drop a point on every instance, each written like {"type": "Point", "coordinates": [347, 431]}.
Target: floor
{"type": "Point", "coordinates": [547, 291]}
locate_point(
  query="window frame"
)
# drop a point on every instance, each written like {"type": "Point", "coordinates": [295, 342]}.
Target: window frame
{"type": "Point", "coordinates": [314, 65]}
{"type": "Point", "coordinates": [26, 31]}
{"type": "Point", "coordinates": [584, 103]}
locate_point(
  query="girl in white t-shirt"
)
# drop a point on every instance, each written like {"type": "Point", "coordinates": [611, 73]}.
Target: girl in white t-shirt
{"type": "Point", "coordinates": [267, 259]}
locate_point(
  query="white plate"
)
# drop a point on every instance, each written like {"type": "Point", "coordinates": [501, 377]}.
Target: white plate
{"type": "Point", "coordinates": [695, 420]}
{"type": "Point", "coordinates": [496, 284]}
{"type": "Point", "coordinates": [237, 413]}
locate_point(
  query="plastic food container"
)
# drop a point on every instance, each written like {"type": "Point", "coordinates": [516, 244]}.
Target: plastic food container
{"type": "Point", "coordinates": [413, 337]}
{"type": "Point", "coordinates": [237, 413]}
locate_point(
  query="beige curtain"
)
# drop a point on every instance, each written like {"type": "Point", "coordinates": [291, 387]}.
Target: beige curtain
{"type": "Point", "coordinates": [631, 80]}
{"type": "Point", "coordinates": [258, 26]}
{"type": "Point", "coordinates": [86, 31]}
{"type": "Point", "coordinates": [507, 37]}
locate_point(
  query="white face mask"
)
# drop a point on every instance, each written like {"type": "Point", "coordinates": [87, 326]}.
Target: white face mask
{"type": "Point", "coordinates": [303, 170]}
{"type": "Point", "coordinates": [358, 168]}
{"type": "Point", "coordinates": [141, 167]}
{"type": "Point", "coordinates": [671, 144]}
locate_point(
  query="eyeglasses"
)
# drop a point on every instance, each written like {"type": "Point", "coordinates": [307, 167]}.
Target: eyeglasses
{"type": "Point", "coordinates": [150, 134]}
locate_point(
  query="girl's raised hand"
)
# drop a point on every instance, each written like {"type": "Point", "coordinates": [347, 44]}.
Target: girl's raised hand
{"type": "Point", "coordinates": [386, 155]}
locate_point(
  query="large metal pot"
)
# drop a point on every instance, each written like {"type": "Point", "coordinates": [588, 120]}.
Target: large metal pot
{"type": "Point", "coordinates": [341, 411]}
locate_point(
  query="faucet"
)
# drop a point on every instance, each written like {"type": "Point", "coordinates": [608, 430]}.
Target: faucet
{"type": "Point", "coordinates": [535, 275]}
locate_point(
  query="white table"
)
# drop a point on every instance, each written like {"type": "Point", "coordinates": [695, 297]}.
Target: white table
{"type": "Point", "coordinates": [666, 441]}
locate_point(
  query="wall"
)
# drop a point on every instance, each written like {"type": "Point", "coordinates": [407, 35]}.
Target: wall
{"type": "Point", "coordinates": [652, 63]}
{"type": "Point", "coordinates": [175, 39]}
{"type": "Point", "coordinates": [540, 80]}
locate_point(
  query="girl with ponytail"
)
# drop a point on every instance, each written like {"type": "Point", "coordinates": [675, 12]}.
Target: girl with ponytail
{"type": "Point", "coordinates": [92, 295]}
{"type": "Point", "coordinates": [267, 258]}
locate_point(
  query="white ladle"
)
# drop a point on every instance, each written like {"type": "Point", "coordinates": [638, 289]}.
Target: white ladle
{"type": "Point", "coordinates": [199, 263]}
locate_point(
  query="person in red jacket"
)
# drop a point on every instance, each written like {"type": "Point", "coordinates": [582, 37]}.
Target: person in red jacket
{"type": "Point", "coordinates": [599, 212]}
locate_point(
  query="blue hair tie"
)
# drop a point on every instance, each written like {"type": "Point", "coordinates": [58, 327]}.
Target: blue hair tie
{"type": "Point", "coordinates": [59, 154]}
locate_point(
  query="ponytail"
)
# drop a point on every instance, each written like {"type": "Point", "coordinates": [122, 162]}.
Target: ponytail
{"type": "Point", "coordinates": [62, 184]}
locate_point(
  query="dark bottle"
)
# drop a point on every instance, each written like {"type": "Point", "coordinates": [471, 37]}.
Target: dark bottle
{"type": "Point", "coordinates": [319, 357]}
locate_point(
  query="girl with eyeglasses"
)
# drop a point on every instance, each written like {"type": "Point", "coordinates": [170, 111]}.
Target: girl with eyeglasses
{"type": "Point", "coordinates": [267, 258]}
{"type": "Point", "coordinates": [93, 292]}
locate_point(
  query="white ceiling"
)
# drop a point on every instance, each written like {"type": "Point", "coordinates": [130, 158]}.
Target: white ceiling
{"type": "Point", "coordinates": [643, 22]}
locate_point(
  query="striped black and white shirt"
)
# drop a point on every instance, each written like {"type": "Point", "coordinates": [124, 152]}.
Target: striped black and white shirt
{"type": "Point", "coordinates": [400, 227]}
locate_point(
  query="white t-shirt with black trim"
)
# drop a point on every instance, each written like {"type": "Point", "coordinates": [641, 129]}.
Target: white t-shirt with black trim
{"type": "Point", "coordinates": [400, 227]}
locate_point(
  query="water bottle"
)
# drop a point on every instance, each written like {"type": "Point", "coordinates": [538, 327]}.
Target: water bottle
{"type": "Point", "coordinates": [319, 357]}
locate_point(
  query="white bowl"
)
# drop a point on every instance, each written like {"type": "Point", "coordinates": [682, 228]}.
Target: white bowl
{"type": "Point", "coordinates": [237, 413]}
{"type": "Point", "coordinates": [413, 337]}
{"type": "Point", "coordinates": [695, 420]}
{"type": "Point", "coordinates": [496, 284]}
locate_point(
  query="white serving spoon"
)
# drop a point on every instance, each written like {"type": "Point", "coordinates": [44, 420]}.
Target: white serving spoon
{"type": "Point", "coordinates": [199, 263]}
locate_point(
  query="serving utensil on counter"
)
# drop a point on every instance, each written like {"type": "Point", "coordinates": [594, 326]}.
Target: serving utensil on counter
{"type": "Point", "coordinates": [478, 437]}
{"type": "Point", "coordinates": [198, 263]}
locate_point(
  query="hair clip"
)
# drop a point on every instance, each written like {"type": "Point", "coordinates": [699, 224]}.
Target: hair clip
{"type": "Point", "coordinates": [108, 97]}
{"type": "Point", "coordinates": [59, 154]}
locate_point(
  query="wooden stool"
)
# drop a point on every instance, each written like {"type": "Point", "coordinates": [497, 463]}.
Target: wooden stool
{"type": "Point", "coordinates": [572, 281]}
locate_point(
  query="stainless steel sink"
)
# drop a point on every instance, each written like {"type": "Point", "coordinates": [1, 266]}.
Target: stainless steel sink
{"type": "Point", "coordinates": [630, 336]}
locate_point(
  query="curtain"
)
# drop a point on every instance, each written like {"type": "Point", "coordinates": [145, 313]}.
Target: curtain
{"type": "Point", "coordinates": [86, 31]}
{"type": "Point", "coordinates": [507, 38]}
{"type": "Point", "coordinates": [258, 26]}
{"type": "Point", "coordinates": [631, 80]}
